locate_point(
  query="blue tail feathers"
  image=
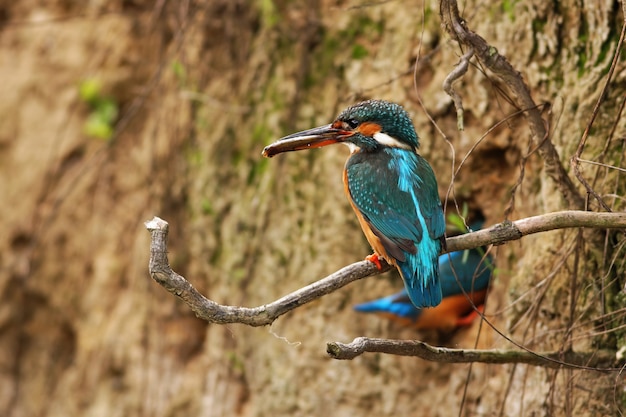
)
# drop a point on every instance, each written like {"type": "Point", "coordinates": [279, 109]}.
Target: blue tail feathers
{"type": "Point", "coordinates": [420, 273]}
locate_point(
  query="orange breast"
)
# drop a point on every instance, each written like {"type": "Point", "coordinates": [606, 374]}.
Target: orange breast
{"type": "Point", "coordinates": [373, 240]}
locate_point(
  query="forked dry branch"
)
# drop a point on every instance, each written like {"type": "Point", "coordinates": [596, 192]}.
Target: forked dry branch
{"type": "Point", "coordinates": [519, 93]}
{"type": "Point", "coordinates": [213, 312]}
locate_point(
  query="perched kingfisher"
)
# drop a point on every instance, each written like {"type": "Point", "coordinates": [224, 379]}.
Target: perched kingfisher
{"type": "Point", "coordinates": [469, 269]}
{"type": "Point", "coordinates": [392, 189]}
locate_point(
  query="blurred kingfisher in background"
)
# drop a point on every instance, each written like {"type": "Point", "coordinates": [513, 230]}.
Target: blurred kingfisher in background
{"type": "Point", "coordinates": [392, 189]}
{"type": "Point", "coordinates": [467, 269]}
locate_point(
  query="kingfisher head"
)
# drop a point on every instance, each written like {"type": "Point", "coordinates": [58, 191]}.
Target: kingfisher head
{"type": "Point", "coordinates": [368, 126]}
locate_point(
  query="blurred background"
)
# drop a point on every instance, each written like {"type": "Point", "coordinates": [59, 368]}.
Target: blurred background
{"type": "Point", "coordinates": [114, 112]}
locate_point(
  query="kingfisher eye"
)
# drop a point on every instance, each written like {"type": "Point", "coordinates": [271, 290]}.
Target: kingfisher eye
{"type": "Point", "coordinates": [352, 123]}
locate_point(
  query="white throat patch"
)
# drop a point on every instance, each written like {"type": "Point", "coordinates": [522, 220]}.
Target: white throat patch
{"type": "Point", "coordinates": [385, 139]}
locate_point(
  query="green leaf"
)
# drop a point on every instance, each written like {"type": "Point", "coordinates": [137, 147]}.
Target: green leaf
{"type": "Point", "coordinates": [97, 127]}
{"type": "Point", "coordinates": [90, 90]}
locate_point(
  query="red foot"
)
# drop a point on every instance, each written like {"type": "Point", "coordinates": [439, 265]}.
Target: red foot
{"type": "Point", "coordinates": [470, 317]}
{"type": "Point", "coordinates": [373, 258]}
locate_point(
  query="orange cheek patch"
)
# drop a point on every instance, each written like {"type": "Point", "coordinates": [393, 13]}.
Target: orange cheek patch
{"type": "Point", "coordinates": [369, 128]}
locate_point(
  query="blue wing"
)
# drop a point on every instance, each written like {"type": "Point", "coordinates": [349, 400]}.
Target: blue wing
{"type": "Point", "coordinates": [468, 266]}
{"type": "Point", "coordinates": [396, 192]}
{"type": "Point", "coordinates": [397, 304]}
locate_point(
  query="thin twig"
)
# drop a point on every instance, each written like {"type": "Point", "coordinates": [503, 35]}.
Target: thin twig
{"type": "Point", "coordinates": [599, 360]}
{"type": "Point", "coordinates": [600, 164]}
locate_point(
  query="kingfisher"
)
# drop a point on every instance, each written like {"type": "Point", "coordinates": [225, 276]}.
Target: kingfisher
{"type": "Point", "coordinates": [465, 277]}
{"type": "Point", "coordinates": [392, 189]}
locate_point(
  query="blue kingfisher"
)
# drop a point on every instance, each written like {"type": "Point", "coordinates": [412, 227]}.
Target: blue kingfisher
{"type": "Point", "coordinates": [391, 188]}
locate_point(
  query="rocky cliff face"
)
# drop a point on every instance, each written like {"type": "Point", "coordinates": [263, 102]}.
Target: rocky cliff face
{"type": "Point", "coordinates": [176, 103]}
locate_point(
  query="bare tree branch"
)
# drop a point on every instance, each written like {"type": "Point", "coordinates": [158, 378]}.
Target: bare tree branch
{"type": "Point", "coordinates": [454, 75]}
{"type": "Point", "coordinates": [508, 231]}
{"type": "Point", "coordinates": [520, 94]}
{"type": "Point", "coordinates": [266, 314]}
{"type": "Point", "coordinates": [600, 360]}
{"type": "Point", "coordinates": [212, 312]}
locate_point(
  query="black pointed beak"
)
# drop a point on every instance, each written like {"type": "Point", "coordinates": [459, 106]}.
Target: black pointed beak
{"type": "Point", "coordinates": [307, 139]}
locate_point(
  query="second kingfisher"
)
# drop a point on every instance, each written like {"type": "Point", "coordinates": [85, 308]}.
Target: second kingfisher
{"type": "Point", "coordinates": [392, 189]}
